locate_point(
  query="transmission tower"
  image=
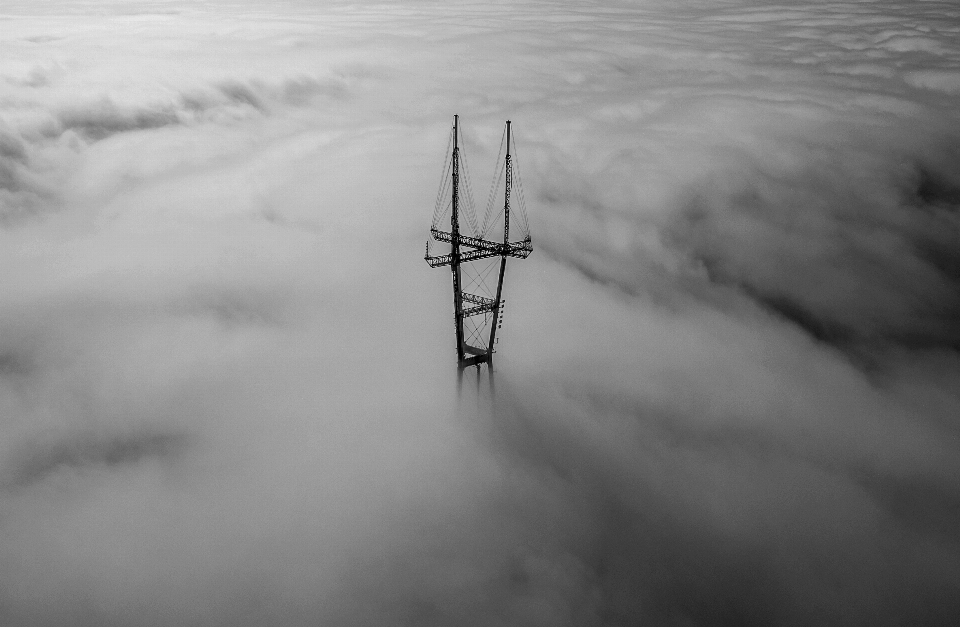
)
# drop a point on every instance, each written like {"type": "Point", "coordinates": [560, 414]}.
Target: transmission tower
{"type": "Point", "coordinates": [472, 257]}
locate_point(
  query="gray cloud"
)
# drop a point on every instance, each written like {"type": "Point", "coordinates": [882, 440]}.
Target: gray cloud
{"type": "Point", "coordinates": [100, 120]}
{"type": "Point", "coordinates": [91, 452]}
{"type": "Point", "coordinates": [853, 250]}
{"type": "Point", "coordinates": [727, 382]}
{"type": "Point", "coordinates": [35, 156]}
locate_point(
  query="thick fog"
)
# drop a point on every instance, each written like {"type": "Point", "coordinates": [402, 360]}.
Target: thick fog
{"type": "Point", "coordinates": [728, 380]}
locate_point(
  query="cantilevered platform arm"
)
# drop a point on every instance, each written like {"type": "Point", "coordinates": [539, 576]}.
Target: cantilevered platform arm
{"type": "Point", "coordinates": [521, 250]}
{"type": "Point", "coordinates": [463, 240]}
{"type": "Point", "coordinates": [477, 300]}
{"type": "Point", "coordinates": [479, 309]}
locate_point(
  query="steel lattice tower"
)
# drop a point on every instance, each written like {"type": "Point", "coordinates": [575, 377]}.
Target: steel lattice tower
{"type": "Point", "coordinates": [481, 313]}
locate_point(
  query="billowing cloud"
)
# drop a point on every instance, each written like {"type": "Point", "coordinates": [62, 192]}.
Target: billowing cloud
{"type": "Point", "coordinates": [727, 383]}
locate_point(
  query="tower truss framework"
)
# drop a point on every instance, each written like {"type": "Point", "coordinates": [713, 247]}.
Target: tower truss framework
{"type": "Point", "coordinates": [477, 316]}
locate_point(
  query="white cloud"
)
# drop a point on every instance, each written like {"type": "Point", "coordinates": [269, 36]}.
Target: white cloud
{"type": "Point", "coordinates": [727, 378]}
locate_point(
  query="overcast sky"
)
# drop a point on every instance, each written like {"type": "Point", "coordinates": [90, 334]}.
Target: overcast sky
{"type": "Point", "coordinates": [728, 382]}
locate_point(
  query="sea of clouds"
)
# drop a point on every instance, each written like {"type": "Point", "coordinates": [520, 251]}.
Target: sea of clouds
{"type": "Point", "coordinates": [728, 382]}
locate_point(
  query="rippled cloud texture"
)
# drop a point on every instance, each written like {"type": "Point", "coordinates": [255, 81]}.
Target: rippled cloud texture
{"type": "Point", "coordinates": [729, 383]}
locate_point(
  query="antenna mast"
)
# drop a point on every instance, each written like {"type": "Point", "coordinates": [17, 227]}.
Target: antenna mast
{"type": "Point", "coordinates": [455, 240]}
{"type": "Point", "coordinates": [478, 348]}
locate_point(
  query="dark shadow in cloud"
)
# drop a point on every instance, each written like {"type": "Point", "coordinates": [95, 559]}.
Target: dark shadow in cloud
{"type": "Point", "coordinates": [31, 166]}
{"type": "Point", "coordinates": [822, 330]}
{"type": "Point", "coordinates": [90, 451]}
{"type": "Point", "coordinates": [860, 254]}
{"type": "Point", "coordinates": [230, 308]}
{"type": "Point", "coordinates": [14, 365]}
{"type": "Point", "coordinates": [301, 91]}
{"type": "Point", "coordinates": [927, 505]}
{"type": "Point", "coordinates": [848, 273]}
{"type": "Point", "coordinates": [653, 560]}
{"type": "Point", "coordinates": [258, 95]}
{"type": "Point", "coordinates": [16, 206]}
{"type": "Point", "coordinates": [277, 218]}
{"type": "Point", "coordinates": [936, 190]}
{"type": "Point", "coordinates": [13, 156]}
{"type": "Point", "coordinates": [241, 93]}
{"type": "Point", "coordinates": [43, 39]}
{"type": "Point", "coordinates": [676, 541]}
{"type": "Point", "coordinates": [22, 191]}
{"type": "Point", "coordinates": [11, 147]}
{"type": "Point", "coordinates": [99, 120]}
{"type": "Point", "coordinates": [38, 77]}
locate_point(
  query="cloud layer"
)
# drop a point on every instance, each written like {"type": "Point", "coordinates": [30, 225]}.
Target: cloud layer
{"type": "Point", "coordinates": [727, 382]}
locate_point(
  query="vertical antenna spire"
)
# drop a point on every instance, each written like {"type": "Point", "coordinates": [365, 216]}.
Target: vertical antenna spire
{"type": "Point", "coordinates": [455, 240]}
{"type": "Point", "coordinates": [497, 303]}
{"type": "Point", "coordinates": [508, 178]}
